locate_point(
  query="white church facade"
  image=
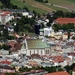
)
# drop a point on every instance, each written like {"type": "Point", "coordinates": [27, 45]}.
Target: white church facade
{"type": "Point", "coordinates": [35, 46]}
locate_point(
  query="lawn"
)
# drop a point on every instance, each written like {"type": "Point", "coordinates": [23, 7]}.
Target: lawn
{"type": "Point", "coordinates": [39, 5]}
{"type": "Point", "coordinates": [30, 7]}
{"type": "Point", "coordinates": [66, 3]}
{"type": "Point", "coordinates": [56, 8]}
{"type": "Point", "coordinates": [43, 8]}
{"type": "Point", "coordinates": [59, 2]}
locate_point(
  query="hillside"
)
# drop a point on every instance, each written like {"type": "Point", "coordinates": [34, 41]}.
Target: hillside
{"type": "Point", "coordinates": [31, 6]}
{"type": "Point", "coordinates": [66, 3]}
{"type": "Point", "coordinates": [43, 8]}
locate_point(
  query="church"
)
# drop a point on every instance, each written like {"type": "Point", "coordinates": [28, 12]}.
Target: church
{"type": "Point", "coordinates": [35, 46]}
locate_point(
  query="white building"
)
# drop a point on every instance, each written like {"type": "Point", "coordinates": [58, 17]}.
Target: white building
{"type": "Point", "coordinates": [28, 14]}
{"type": "Point", "coordinates": [48, 31]}
{"type": "Point", "coordinates": [36, 46]}
{"type": "Point", "coordinates": [5, 17]}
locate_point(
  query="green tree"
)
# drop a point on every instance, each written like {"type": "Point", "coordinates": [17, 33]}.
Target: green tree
{"type": "Point", "coordinates": [59, 13]}
{"type": "Point", "coordinates": [67, 67]}
{"type": "Point", "coordinates": [5, 33]}
{"type": "Point", "coordinates": [56, 27]}
{"type": "Point", "coordinates": [5, 47]}
{"type": "Point", "coordinates": [46, 1]}
{"type": "Point", "coordinates": [0, 46]}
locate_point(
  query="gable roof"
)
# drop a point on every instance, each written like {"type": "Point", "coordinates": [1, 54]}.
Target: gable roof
{"type": "Point", "coordinates": [64, 20]}
{"type": "Point", "coordinates": [58, 73]}
{"type": "Point", "coordinates": [5, 62]}
{"type": "Point", "coordinates": [4, 13]}
{"type": "Point", "coordinates": [36, 43]}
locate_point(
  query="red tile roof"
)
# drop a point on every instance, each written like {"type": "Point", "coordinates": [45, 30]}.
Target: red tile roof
{"type": "Point", "coordinates": [57, 59]}
{"type": "Point", "coordinates": [58, 73]}
{"type": "Point", "coordinates": [64, 20]}
{"type": "Point", "coordinates": [5, 62]}
{"type": "Point", "coordinates": [11, 43]}
{"type": "Point", "coordinates": [16, 35]}
{"type": "Point", "coordinates": [4, 13]}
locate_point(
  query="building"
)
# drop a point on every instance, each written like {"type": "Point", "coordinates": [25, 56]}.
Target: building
{"type": "Point", "coordinates": [34, 72]}
{"type": "Point", "coordinates": [5, 17]}
{"type": "Point", "coordinates": [23, 12]}
{"type": "Point", "coordinates": [58, 73]}
{"type": "Point", "coordinates": [36, 46]}
{"type": "Point", "coordinates": [37, 29]}
{"type": "Point", "coordinates": [64, 21]}
{"type": "Point", "coordinates": [48, 31]}
{"type": "Point", "coordinates": [6, 68]}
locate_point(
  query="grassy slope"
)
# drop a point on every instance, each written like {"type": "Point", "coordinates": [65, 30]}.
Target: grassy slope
{"type": "Point", "coordinates": [38, 5]}
{"type": "Point", "coordinates": [30, 7]}
{"type": "Point", "coordinates": [66, 3]}
{"type": "Point", "coordinates": [42, 8]}
{"type": "Point", "coordinates": [61, 2]}
{"type": "Point", "coordinates": [51, 7]}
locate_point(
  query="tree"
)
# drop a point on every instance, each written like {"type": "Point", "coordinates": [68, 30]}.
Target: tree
{"type": "Point", "coordinates": [5, 33]}
{"type": "Point", "coordinates": [56, 27]}
{"type": "Point", "coordinates": [0, 46]}
{"type": "Point", "coordinates": [23, 1]}
{"type": "Point", "coordinates": [67, 67]}
{"type": "Point", "coordinates": [26, 8]}
{"type": "Point", "coordinates": [35, 13]}
{"type": "Point", "coordinates": [6, 3]}
{"type": "Point", "coordinates": [59, 13]}
{"type": "Point", "coordinates": [39, 0]}
{"type": "Point", "coordinates": [5, 47]}
{"type": "Point", "coordinates": [72, 67]}
{"type": "Point", "coordinates": [48, 24]}
{"type": "Point", "coordinates": [46, 1]}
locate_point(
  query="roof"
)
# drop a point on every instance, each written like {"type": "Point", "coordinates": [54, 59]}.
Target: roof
{"type": "Point", "coordinates": [32, 63]}
{"type": "Point", "coordinates": [4, 13]}
{"type": "Point", "coordinates": [36, 43]}
{"type": "Point", "coordinates": [16, 35]}
{"type": "Point", "coordinates": [57, 58]}
{"type": "Point", "coordinates": [71, 53]}
{"type": "Point", "coordinates": [11, 43]}
{"type": "Point", "coordinates": [18, 46]}
{"type": "Point", "coordinates": [5, 62]}
{"type": "Point", "coordinates": [35, 56]}
{"type": "Point", "coordinates": [64, 20]}
{"type": "Point", "coordinates": [58, 73]}
{"type": "Point", "coordinates": [6, 67]}
{"type": "Point", "coordinates": [32, 72]}
{"type": "Point", "coordinates": [41, 30]}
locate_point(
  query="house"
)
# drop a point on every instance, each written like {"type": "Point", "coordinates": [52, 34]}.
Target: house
{"type": "Point", "coordinates": [64, 21]}
{"type": "Point", "coordinates": [4, 52]}
{"type": "Point", "coordinates": [5, 17]}
{"type": "Point", "coordinates": [48, 31]}
{"type": "Point", "coordinates": [29, 14]}
{"type": "Point", "coordinates": [60, 60]}
{"type": "Point", "coordinates": [15, 48]}
{"type": "Point", "coordinates": [5, 62]}
{"type": "Point", "coordinates": [23, 12]}
{"type": "Point", "coordinates": [58, 73]}
{"type": "Point", "coordinates": [6, 68]}
{"type": "Point", "coordinates": [34, 72]}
